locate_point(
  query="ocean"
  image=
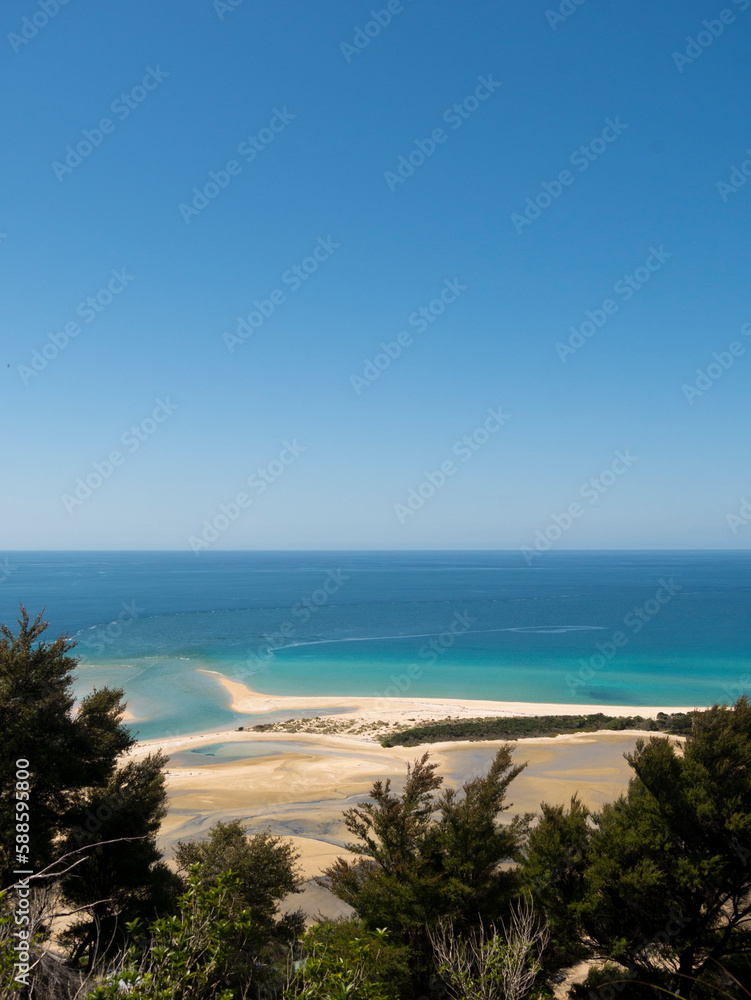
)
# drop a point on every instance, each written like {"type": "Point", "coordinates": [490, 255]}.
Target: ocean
{"type": "Point", "coordinates": [620, 628]}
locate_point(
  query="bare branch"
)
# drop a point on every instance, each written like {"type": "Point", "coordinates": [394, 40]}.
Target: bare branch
{"type": "Point", "coordinates": [43, 874]}
{"type": "Point", "coordinates": [86, 906]}
{"type": "Point", "coordinates": [491, 966]}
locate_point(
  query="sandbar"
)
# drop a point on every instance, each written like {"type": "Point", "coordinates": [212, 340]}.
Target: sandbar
{"type": "Point", "coordinates": [246, 701]}
{"type": "Point", "coordinates": [298, 784]}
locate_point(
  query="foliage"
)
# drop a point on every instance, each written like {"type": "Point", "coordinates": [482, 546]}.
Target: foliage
{"type": "Point", "coordinates": [487, 965]}
{"type": "Point", "coordinates": [265, 871]}
{"type": "Point", "coordinates": [265, 866]}
{"type": "Point", "coordinates": [198, 955]}
{"type": "Point", "coordinates": [422, 857]}
{"type": "Point", "coordinates": [121, 877]}
{"type": "Point", "coordinates": [9, 989]}
{"type": "Point", "coordinates": [348, 943]}
{"type": "Point", "coordinates": [67, 752]}
{"type": "Point", "coordinates": [343, 961]}
{"type": "Point", "coordinates": [555, 859]}
{"type": "Point", "coordinates": [468, 844]}
{"type": "Point", "coordinates": [608, 980]}
{"type": "Point", "coordinates": [79, 798]}
{"type": "Point", "coordinates": [189, 956]}
{"type": "Point", "coordinates": [29, 914]}
{"type": "Point", "coordinates": [526, 727]}
{"type": "Point", "coordinates": [48, 977]}
{"type": "Point", "coordinates": [668, 879]}
{"type": "Point", "coordinates": [658, 882]}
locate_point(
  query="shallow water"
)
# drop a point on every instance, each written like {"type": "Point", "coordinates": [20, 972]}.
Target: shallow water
{"type": "Point", "coordinates": [650, 628]}
{"type": "Point", "coordinates": [226, 753]}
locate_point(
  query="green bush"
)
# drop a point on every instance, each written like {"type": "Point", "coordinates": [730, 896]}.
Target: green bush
{"type": "Point", "coordinates": [189, 956]}
{"type": "Point", "coordinates": [346, 943]}
{"type": "Point", "coordinates": [529, 727]}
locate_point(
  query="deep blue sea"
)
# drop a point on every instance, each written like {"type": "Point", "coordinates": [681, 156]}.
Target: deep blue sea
{"type": "Point", "coordinates": [621, 628]}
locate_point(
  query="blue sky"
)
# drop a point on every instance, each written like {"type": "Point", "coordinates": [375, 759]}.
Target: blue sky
{"type": "Point", "coordinates": [348, 460]}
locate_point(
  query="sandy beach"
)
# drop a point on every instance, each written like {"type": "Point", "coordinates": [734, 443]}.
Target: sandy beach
{"type": "Point", "coordinates": [297, 784]}
{"type": "Point", "coordinates": [398, 710]}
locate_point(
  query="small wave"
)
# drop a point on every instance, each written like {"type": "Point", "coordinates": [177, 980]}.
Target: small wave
{"type": "Point", "coordinates": [545, 629]}
{"type": "Point", "coordinates": [361, 638]}
{"type": "Point", "coordinates": [530, 629]}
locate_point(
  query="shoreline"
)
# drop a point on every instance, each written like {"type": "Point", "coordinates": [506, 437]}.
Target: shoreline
{"type": "Point", "coordinates": [377, 716]}
{"type": "Point", "coordinates": [297, 784]}
{"type": "Point", "coordinates": [246, 701]}
{"type": "Point", "coordinates": [340, 742]}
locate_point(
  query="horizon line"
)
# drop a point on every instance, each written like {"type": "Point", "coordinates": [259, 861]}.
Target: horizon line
{"type": "Point", "coordinates": [548, 552]}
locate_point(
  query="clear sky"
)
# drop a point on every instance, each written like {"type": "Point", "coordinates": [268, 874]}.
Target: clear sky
{"type": "Point", "coordinates": [371, 161]}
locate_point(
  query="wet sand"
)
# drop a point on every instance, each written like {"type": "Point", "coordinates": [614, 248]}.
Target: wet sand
{"type": "Point", "coordinates": [302, 792]}
{"type": "Point", "coordinates": [298, 784]}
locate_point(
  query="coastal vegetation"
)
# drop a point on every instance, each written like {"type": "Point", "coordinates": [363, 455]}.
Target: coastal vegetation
{"type": "Point", "coordinates": [528, 727]}
{"type": "Point", "coordinates": [453, 894]}
{"type": "Point", "coordinates": [391, 734]}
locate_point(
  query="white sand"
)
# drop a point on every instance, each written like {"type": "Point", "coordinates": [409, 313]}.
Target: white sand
{"type": "Point", "coordinates": [301, 789]}
{"type": "Point", "coordinates": [369, 709]}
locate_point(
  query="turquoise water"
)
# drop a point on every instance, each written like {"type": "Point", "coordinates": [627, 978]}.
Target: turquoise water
{"type": "Point", "coordinates": [652, 628]}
